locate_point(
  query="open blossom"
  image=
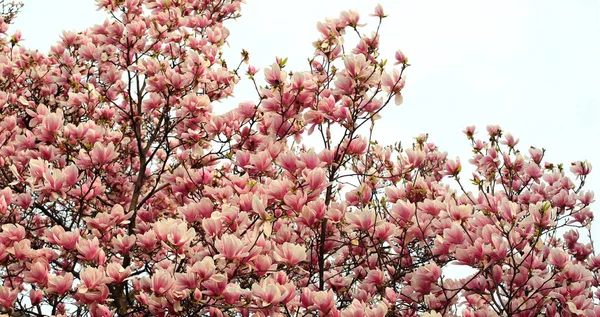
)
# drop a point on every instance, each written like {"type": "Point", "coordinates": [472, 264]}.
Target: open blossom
{"type": "Point", "coordinates": [176, 232]}
{"type": "Point", "coordinates": [270, 293]}
{"type": "Point", "coordinates": [290, 254]}
{"type": "Point", "coordinates": [323, 301]}
{"type": "Point", "coordinates": [93, 279]}
{"type": "Point", "coordinates": [425, 277]}
{"type": "Point", "coordinates": [60, 284]}
{"type": "Point", "coordinates": [393, 84]}
{"type": "Point", "coordinates": [66, 239]}
{"type": "Point", "coordinates": [274, 75]}
{"type": "Point", "coordinates": [8, 296]}
{"type": "Point", "coordinates": [162, 281]}
{"type": "Point", "coordinates": [37, 273]}
{"type": "Point", "coordinates": [103, 154]}
{"type": "Point", "coordinates": [231, 247]}
{"type": "Point", "coordinates": [358, 67]}
{"type": "Point", "coordinates": [11, 232]}
{"type": "Point", "coordinates": [363, 220]}
{"type": "Point", "coordinates": [88, 249]}
{"type": "Point", "coordinates": [580, 168]}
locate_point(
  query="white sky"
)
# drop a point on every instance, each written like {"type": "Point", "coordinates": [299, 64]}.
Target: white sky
{"type": "Point", "coordinates": [530, 66]}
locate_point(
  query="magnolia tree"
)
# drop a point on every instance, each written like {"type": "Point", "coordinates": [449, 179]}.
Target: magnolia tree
{"type": "Point", "coordinates": [123, 193]}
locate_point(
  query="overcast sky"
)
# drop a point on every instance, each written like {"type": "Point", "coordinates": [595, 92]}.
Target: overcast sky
{"type": "Point", "coordinates": [530, 66]}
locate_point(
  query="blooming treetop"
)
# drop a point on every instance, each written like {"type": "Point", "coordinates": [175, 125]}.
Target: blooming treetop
{"type": "Point", "coordinates": [123, 193]}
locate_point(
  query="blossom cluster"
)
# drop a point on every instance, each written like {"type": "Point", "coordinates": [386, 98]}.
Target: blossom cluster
{"type": "Point", "coordinates": [122, 193]}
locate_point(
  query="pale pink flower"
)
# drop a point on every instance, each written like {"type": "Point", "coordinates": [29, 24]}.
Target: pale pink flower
{"type": "Point", "coordinates": [60, 284]}
{"type": "Point", "coordinates": [323, 301]}
{"type": "Point", "coordinates": [8, 296]}
{"type": "Point", "coordinates": [393, 84]}
{"type": "Point", "coordinates": [92, 278]}
{"type": "Point", "coordinates": [232, 293]}
{"type": "Point", "coordinates": [269, 293]}
{"type": "Point", "coordinates": [580, 168]}
{"type": "Point", "coordinates": [558, 258]}
{"type": "Point", "coordinates": [379, 12]}
{"type": "Point", "coordinates": [102, 154]}
{"type": "Point", "coordinates": [205, 268]}
{"type": "Point", "coordinates": [358, 67]}
{"type": "Point", "coordinates": [37, 273]}
{"type": "Point", "coordinates": [316, 178]}
{"type": "Point", "coordinates": [290, 254]}
{"type": "Point", "coordinates": [35, 296]}
{"type": "Point", "coordinates": [12, 232]}
{"type": "Point", "coordinates": [162, 282]}
{"type": "Point", "coordinates": [425, 277]}
{"type": "Point", "coordinates": [215, 285]}
{"type": "Point", "coordinates": [363, 220]}
{"type": "Point", "coordinates": [231, 247]}
{"type": "Point", "coordinates": [117, 272]}
{"type": "Point", "coordinates": [350, 18]}
{"type": "Point", "coordinates": [88, 249]}
{"type": "Point", "coordinates": [212, 226]}
{"type": "Point", "coordinates": [344, 85]}
{"type": "Point", "coordinates": [51, 125]}
{"type": "Point", "coordinates": [402, 210]}
{"type": "Point", "coordinates": [180, 235]}
{"type": "Point", "coordinates": [400, 58]}
{"type": "Point", "coordinates": [262, 264]}
{"type": "Point", "coordinates": [261, 161]}
{"type": "Point", "coordinates": [357, 146]}
{"type": "Point", "coordinates": [274, 75]}
{"type": "Point", "coordinates": [380, 310]}
{"type": "Point", "coordinates": [122, 244]}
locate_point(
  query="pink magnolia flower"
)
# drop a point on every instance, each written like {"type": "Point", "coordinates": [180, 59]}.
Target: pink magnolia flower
{"type": "Point", "coordinates": [350, 18]}
{"type": "Point", "coordinates": [123, 244]}
{"type": "Point", "coordinates": [37, 273]}
{"type": "Point", "coordinates": [8, 296]}
{"type": "Point", "coordinates": [363, 220]}
{"type": "Point", "coordinates": [176, 232]}
{"type": "Point", "coordinates": [400, 58]}
{"type": "Point", "coordinates": [344, 85]}
{"type": "Point", "coordinates": [215, 285]}
{"type": "Point", "coordinates": [558, 258]}
{"type": "Point", "coordinates": [425, 277]}
{"type": "Point", "coordinates": [92, 278]}
{"type": "Point", "coordinates": [323, 301]}
{"type": "Point", "coordinates": [290, 254]}
{"type": "Point", "coordinates": [35, 296]}
{"type": "Point", "coordinates": [358, 67]}
{"type": "Point", "coordinates": [393, 84]}
{"type": "Point", "coordinates": [205, 268]}
{"type": "Point", "coordinates": [580, 168]}
{"type": "Point", "coordinates": [102, 154]}
{"type": "Point", "coordinates": [274, 75]}
{"type": "Point", "coordinates": [262, 161]}
{"type": "Point", "coordinates": [116, 272]}
{"type": "Point", "coordinates": [12, 232]}
{"type": "Point", "coordinates": [88, 249]}
{"type": "Point", "coordinates": [66, 239]}
{"type": "Point", "coordinates": [51, 125]}
{"type": "Point", "coordinates": [380, 310]}
{"type": "Point", "coordinates": [231, 247]}
{"type": "Point", "coordinates": [60, 284]}
{"type": "Point", "coordinates": [379, 12]}
{"type": "Point", "coordinates": [269, 293]}
{"type": "Point", "coordinates": [162, 282]}
{"type": "Point", "coordinates": [147, 240]}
